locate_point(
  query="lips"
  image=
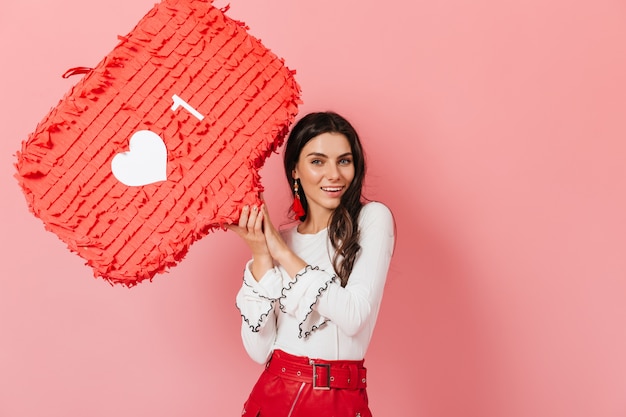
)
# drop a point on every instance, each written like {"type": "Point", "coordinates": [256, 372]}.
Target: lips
{"type": "Point", "coordinates": [333, 190]}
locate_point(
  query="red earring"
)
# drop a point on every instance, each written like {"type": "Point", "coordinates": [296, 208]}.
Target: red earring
{"type": "Point", "coordinates": [297, 204]}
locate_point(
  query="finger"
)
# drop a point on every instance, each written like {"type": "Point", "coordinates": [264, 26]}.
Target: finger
{"type": "Point", "coordinates": [232, 227]}
{"type": "Point", "coordinates": [258, 224]}
{"type": "Point", "coordinates": [243, 219]}
{"type": "Point", "coordinates": [236, 229]}
{"type": "Point", "coordinates": [266, 215]}
{"type": "Point", "coordinates": [252, 218]}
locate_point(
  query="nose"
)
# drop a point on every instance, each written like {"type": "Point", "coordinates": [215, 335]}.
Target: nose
{"type": "Point", "coordinates": [333, 172]}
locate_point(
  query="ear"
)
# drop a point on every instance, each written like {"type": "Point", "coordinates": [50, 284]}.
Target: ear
{"type": "Point", "coordinates": [294, 174]}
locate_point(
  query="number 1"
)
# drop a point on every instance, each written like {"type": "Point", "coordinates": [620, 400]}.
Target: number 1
{"type": "Point", "coordinates": [180, 102]}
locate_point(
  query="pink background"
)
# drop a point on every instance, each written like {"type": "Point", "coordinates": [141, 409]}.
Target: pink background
{"type": "Point", "coordinates": [496, 133]}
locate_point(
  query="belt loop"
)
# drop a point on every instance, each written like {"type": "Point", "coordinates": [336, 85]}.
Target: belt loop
{"type": "Point", "coordinates": [363, 377]}
{"type": "Point", "coordinates": [267, 364]}
{"type": "Point", "coordinates": [353, 379]}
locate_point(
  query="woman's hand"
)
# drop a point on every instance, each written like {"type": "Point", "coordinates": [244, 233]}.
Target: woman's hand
{"type": "Point", "coordinates": [265, 242]}
{"type": "Point", "coordinates": [274, 241]}
{"type": "Point", "coordinates": [277, 247]}
{"type": "Point", "coordinates": [250, 229]}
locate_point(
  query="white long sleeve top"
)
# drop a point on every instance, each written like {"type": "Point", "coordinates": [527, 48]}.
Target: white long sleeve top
{"type": "Point", "coordinates": [312, 315]}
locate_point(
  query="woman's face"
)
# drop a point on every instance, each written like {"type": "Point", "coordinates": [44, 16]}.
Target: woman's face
{"type": "Point", "coordinates": [325, 169]}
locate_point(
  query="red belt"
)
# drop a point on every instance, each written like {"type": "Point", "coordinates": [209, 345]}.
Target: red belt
{"type": "Point", "coordinates": [323, 375]}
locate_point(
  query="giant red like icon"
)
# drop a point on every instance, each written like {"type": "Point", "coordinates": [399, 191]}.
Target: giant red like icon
{"type": "Point", "coordinates": [160, 143]}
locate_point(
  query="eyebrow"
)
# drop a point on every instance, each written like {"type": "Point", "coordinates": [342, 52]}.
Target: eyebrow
{"type": "Point", "coordinates": [343, 155]}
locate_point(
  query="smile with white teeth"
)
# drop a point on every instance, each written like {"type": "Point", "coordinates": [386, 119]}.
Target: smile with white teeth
{"type": "Point", "coordinates": [332, 189]}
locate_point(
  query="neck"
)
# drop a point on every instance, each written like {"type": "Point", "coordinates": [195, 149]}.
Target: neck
{"type": "Point", "coordinates": [315, 222]}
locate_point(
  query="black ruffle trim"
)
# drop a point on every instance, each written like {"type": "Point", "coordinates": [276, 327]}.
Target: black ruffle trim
{"type": "Point", "coordinates": [257, 293]}
{"type": "Point", "coordinates": [302, 333]}
{"type": "Point", "coordinates": [256, 328]}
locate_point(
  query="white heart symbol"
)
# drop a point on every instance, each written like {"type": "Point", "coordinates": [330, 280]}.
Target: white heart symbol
{"type": "Point", "coordinates": [145, 163]}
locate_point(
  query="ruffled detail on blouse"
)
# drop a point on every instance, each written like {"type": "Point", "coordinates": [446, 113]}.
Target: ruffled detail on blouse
{"type": "Point", "coordinates": [256, 315]}
{"type": "Point", "coordinates": [300, 296]}
{"type": "Point", "coordinates": [256, 300]}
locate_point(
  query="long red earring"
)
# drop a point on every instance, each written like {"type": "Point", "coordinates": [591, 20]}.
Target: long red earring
{"type": "Point", "coordinates": [297, 204]}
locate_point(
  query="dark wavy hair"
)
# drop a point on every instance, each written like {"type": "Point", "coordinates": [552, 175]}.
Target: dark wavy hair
{"type": "Point", "coordinates": [343, 228]}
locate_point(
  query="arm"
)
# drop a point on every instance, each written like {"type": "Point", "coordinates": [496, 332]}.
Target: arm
{"type": "Point", "coordinates": [256, 302]}
{"type": "Point", "coordinates": [316, 295]}
{"type": "Point", "coordinates": [262, 282]}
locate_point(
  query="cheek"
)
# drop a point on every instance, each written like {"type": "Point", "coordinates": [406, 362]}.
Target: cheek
{"type": "Point", "coordinates": [348, 174]}
{"type": "Point", "coordinates": [310, 176]}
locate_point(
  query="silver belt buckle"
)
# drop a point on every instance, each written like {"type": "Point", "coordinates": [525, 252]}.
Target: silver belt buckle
{"type": "Point", "coordinates": [315, 376]}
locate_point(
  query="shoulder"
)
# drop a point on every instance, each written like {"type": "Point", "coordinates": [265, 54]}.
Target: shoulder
{"type": "Point", "coordinates": [377, 213]}
{"type": "Point", "coordinates": [375, 207]}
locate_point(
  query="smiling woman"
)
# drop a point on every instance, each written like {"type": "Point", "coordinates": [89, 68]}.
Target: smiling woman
{"type": "Point", "coordinates": [324, 172]}
{"type": "Point", "coordinates": [311, 294]}
{"type": "Point", "coordinates": [494, 131]}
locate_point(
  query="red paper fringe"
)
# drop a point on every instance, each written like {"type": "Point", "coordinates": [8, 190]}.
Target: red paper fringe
{"type": "Point", "coordinates": [191, 49]}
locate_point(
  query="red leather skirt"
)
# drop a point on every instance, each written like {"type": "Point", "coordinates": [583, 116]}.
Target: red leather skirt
{"type": "Point", "coordinates": [296, 386]}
